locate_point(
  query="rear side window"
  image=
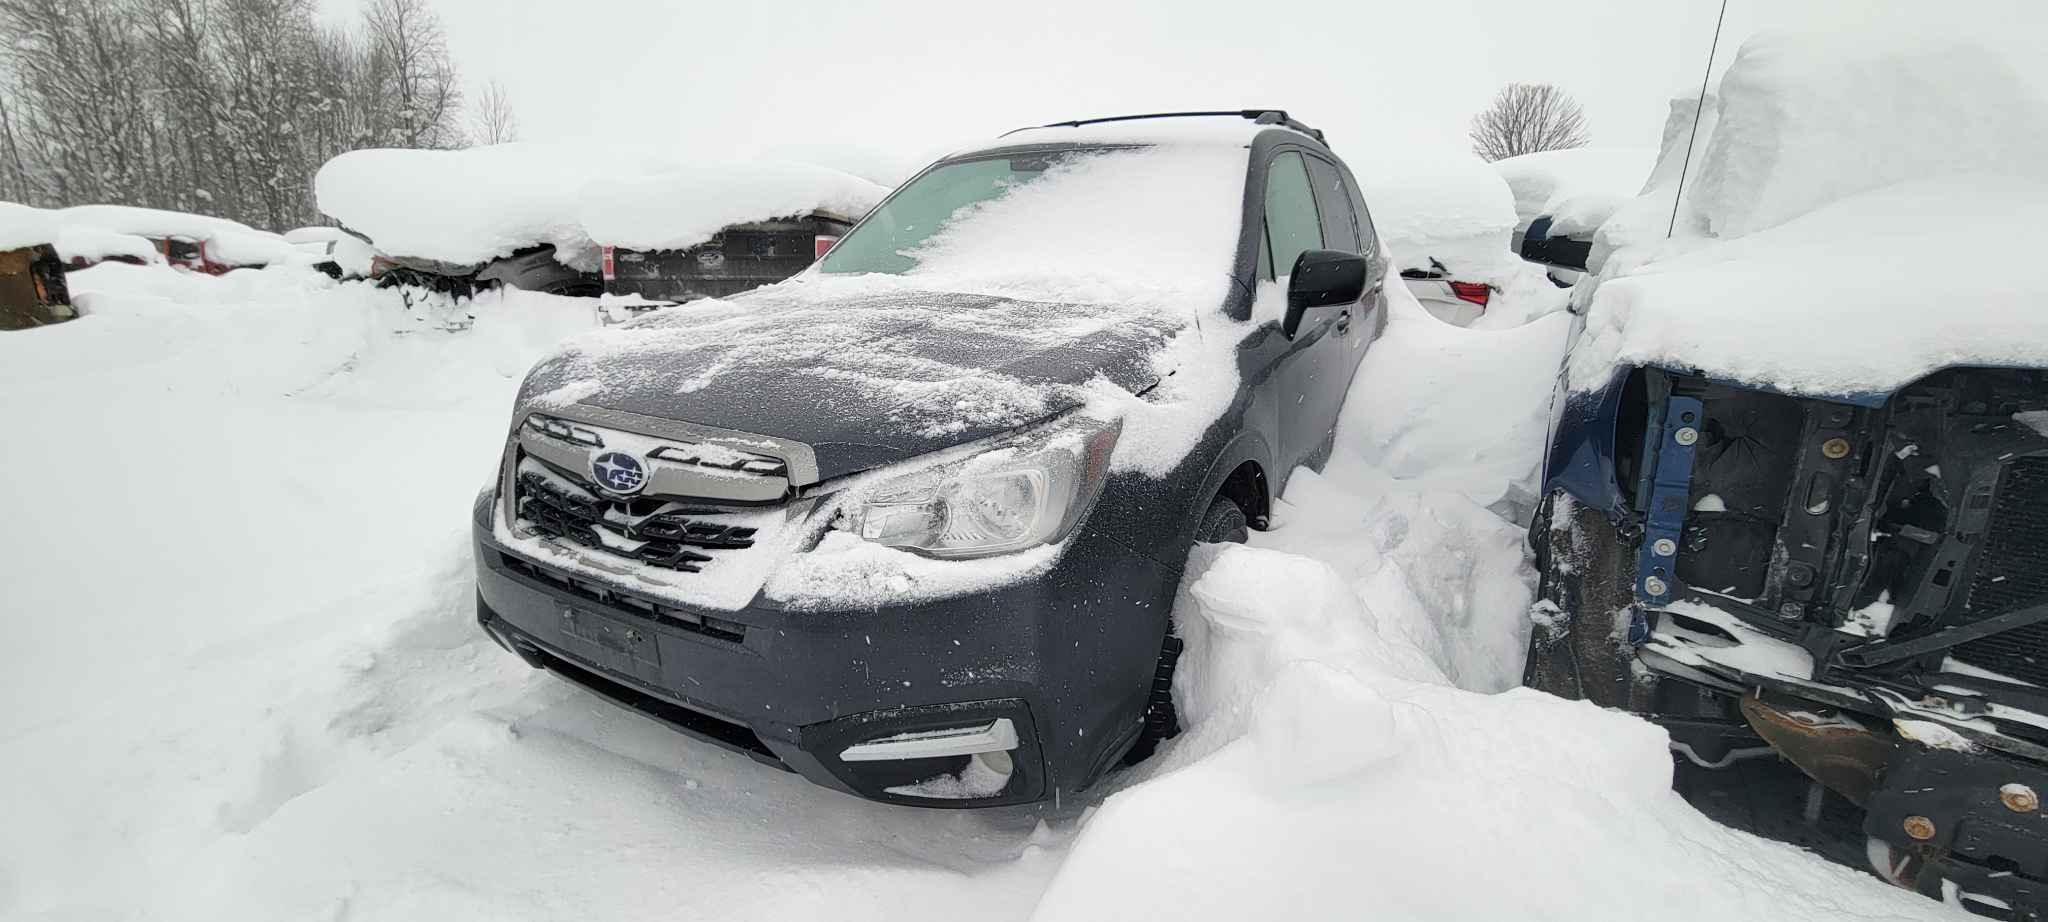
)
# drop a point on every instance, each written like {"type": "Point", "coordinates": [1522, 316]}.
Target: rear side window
{"type": "Point", "coordinates": [1292, 224]}
{"type": "Point", "coordinates": [1340, 222]}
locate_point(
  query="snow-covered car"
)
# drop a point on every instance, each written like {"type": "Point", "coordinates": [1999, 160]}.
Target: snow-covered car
{"type": "Point", "coordinates": [458, 221]}
{"type": "Point", "coordinates": [1798, 486]}
{"type": "Point", "coordinates": [713, 231]}
{"type": "Point", "coordinates": [1563, 196]}
{"type": "Point", "coordinates": [200, 243]}
{"type": "Point", "coordinates": [1448, 224]}
{"type": "Point", "coordinates": [911, 523]}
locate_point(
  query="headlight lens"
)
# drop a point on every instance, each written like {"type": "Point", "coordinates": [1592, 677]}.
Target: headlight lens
{"type": "Point", "coordinates": [1028, 489]}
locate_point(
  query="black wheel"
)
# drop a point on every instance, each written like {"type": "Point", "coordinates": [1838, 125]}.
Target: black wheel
{"type": "Point", "coordinates": [1223, 523]}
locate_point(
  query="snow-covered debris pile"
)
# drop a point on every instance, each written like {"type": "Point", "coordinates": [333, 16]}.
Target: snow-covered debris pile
{"type": "Point", "coordinates": [230, 243]}
{"type": "Point", "coordinates": [463, 206]}
{"type": "Point", "coordinates": [467, 207]}
{"type": "Point", "coordinates": [1577, 188]}
{"type": "Point", "coordinates": [678, 208]}
{"type": "Point", "coordinates": [1807, 216]}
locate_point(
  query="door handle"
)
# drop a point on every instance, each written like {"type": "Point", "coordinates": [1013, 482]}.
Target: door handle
{"type": "Point", "coordinates": [1344, 321]}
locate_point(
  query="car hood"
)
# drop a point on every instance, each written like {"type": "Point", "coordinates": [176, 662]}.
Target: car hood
{"type": "Point", "coordinates": [864, 379]}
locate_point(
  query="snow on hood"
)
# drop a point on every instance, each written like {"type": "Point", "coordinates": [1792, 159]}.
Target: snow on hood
{"type": "Point", "coordinates": [1082, 286]}
{"type": "Point", "coordinates": [679, 208]}
{"type": "Point", "coordinates": [1818, 249]}
{"type": "Point", "coordinates": [1578, 188]}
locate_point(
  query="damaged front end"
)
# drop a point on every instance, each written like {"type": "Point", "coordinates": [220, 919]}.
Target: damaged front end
{"type": "Point", "coordinates": [1858, 585]}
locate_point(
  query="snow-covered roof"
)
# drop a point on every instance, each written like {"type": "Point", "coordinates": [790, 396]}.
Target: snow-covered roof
{"type": "Point", "coordinates": [95, 232]}
{"type": "Point", "coordinates": [1578, 188]}
{"type": "Point", "coordinates": [1821, 248]}
{"type": "Point", "coordinates": [92, 244]}
{"type": "Point", "coordinates": [682, 207]}
{"type": "Point", "coordinates": [26, 226]}
{"type": "Point", "coordinates": [151, 222]}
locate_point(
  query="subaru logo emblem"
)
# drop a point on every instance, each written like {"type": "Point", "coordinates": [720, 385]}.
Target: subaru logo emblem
{"type": "Point", "coordinates": [618, 472]}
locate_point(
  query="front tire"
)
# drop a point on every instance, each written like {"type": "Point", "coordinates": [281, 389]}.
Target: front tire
{"type": "Point", "coordinates": [1223, 523]}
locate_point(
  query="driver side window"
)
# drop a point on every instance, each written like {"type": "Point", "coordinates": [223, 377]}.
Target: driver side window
{"type": "Point", "coordinates": [1292, 223]}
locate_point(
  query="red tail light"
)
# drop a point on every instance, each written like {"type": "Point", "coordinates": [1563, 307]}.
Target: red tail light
{"type": "Point", "coordinates": [1475, 292]}
{"type": "Point", "coordinates": [610, 273]}
{"type": "Point", "coordinates": [821, 245]}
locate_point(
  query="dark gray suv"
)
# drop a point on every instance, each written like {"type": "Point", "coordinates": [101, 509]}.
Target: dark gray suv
{"type": "Point", "coordinates": [912, 527]}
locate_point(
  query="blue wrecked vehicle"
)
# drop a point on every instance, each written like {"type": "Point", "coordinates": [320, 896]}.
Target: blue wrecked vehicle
{"type": "Point", "coordinates": [1796, 506]}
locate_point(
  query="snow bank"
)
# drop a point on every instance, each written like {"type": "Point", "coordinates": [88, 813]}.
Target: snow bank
{"type": "Point", "coordinates": [1579, 188]}
{"type": "Point", "coordinates": [1328, 774]}
{"type": "Point", "coordinates": [679, 208]}
{"type": "Point", "coordinates": [1872, 261]}
{"type": "Point", "coordinates": [1340, 759]}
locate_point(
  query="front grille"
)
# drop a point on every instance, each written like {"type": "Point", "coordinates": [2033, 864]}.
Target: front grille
{"type": "Point", "coordinates": [2011, 572]}
{"type": "Point", "coordinates": [661, 532]}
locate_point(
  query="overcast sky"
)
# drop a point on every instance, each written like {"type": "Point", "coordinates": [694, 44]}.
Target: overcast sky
{"type": "Point", "coordinates": [1387, 79]}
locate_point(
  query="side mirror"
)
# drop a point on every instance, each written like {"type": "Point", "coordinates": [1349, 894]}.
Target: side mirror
{"type": "Point", "coordinates": [1322, 278]}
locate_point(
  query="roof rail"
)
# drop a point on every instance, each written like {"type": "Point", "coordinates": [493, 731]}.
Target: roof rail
{"type": "Point", "coordinates": [1260, 116]}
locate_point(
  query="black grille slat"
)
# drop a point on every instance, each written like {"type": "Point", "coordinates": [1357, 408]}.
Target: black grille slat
{"type": "Point", "coordinates": [2011, 572]}
{"type": "Point", "coordinates": [674, 540]}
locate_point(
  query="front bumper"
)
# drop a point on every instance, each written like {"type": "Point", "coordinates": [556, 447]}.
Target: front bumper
{"type": "Point", "coordinates": [1066, 658]}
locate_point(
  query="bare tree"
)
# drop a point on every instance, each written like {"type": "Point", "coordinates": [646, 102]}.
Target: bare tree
{"type": "Point", "coordinates": [226, 107]}
{"type": "Point", "coordinates": [409, 57]}
{"type": "Point", "coordinates": [1525, 118]}
{"type": "Point", "coordinates": [494, 121]}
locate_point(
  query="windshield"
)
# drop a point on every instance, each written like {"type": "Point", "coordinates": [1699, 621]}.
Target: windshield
{"type": "Point", "coordinates": [1103, 224]}
{"type": "Point", "coordinates": [887, 240]}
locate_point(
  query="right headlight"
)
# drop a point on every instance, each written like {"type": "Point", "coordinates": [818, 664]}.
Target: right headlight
{"type": "Point", "coordinates": [1024, 490]}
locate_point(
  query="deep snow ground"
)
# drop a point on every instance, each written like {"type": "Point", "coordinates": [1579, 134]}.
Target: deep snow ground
{"type": "Point", "coordinates": [243, 679]}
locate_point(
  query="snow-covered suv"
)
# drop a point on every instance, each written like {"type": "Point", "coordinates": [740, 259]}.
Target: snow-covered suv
{"type": "Point", "coordinates": [911, 523]}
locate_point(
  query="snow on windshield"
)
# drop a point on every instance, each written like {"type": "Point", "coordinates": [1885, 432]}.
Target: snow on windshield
{"type": "Point", "coordinates": [1157, 225]}
{"type": "Point", "coordinates": [1872, 262]}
